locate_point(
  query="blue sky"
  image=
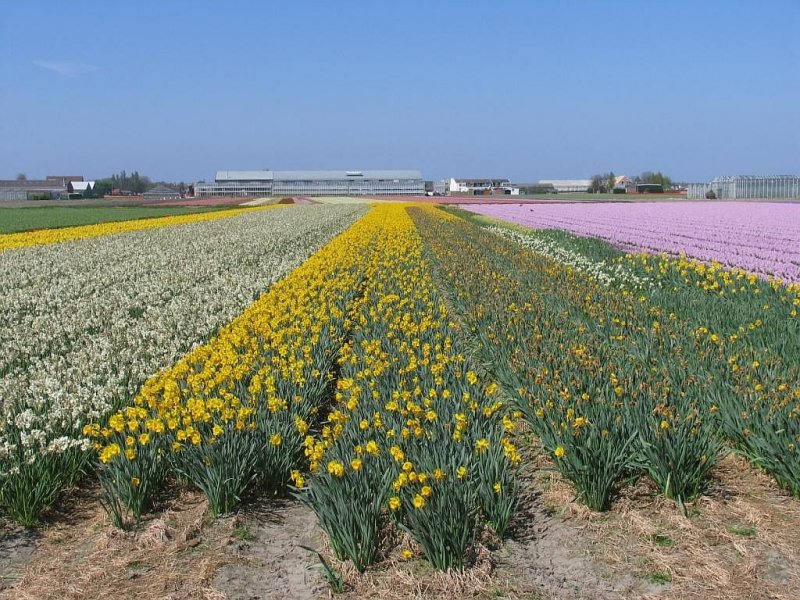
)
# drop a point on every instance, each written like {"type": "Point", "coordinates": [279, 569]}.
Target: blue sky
{"type": "Point", "coordinates": [525, 90]}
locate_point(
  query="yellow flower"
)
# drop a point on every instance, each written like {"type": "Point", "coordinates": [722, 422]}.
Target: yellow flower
{"type": "Point", "coordinates": [373, 448]}
{"type": "Point", "coordinates": [461, 472]}
{"type": "Point", "coordinates": [497, 487]}
{"type": "Point", "coordinates": [481, 445]}
{"type": "Point", "coordinates": [397, 453]}
{"type": "Point", "coordinates": [394, 503]}
{"type": "Point", "coordinates": [355, 464]}
{"type": "Point", "coordinates": [336, 468]}
{"type": "Point", "coordinates": [438, 474]}
{"type": "Point", "coordinates": [275, 439]}
{"type": "Point", "coordinates": [108, 453]}
{"type": "Point", "coordinates": [135, 481]}
{"type": "Point", "coordinates": [297, 478]}
{"type": "Point", "coordinates": [117, 423]}
{"type": "Point", "coordinates": [419, 501]}
{"type": "Point", "coordinates": [426, 491]}
{"type": "Point", "coordinates": [144, 438]}
{"type": "Point", "coordinates": [407, 554]}
{"type": "Point", "coordinates": [301, 425]}
{"type": "Point", "coordinates": [559, 452]}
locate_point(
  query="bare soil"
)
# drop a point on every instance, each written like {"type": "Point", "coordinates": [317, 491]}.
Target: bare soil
{"type": "Point", "coordinates": [740, 541]}
{"type": "Point", "coordinates": [267, 560]}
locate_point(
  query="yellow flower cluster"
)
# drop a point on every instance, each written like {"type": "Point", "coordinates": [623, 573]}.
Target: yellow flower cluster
{"type": "Point", "coordinates": [266, 372]}
{"type": "Point", "coordinates": [713, 277]}
{"type": "Point", "coordinates": [404, 383]}
{"type": "Point", "coordinates": [12, 241]}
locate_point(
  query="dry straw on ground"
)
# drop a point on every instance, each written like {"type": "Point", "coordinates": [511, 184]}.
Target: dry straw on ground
{"type": "Point", "coordinates": [80, 555]}
{"type": "Point", "coordinates": [740, 541]}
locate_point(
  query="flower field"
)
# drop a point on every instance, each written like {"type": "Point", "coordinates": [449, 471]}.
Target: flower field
{"type": "Point", "coordinates": [761, 238]}
{"type": "Point", "coordinates": [391, 367]}
{"type": "Point", "coordinates": [614, 380]}
{"type": "Point", "coordinates": [11, 241]}
{"type": "Point", "coordinates": [412, 426]}
{"type": "Point", "coordinates": [86, 322]}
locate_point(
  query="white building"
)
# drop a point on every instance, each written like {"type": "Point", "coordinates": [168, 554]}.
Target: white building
{"type": "Point", "coordinates": [470, 186]}
{"type": "Point", "coordinates": [80, 187]}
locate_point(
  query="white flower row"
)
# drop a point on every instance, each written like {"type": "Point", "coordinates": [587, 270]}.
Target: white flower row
{"type": "Point", "coordinates": [84, 323]}
{"type": "Point", "coordinates": [608, 273]}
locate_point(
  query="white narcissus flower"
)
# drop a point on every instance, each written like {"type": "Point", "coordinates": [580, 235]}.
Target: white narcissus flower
{"type": "Point", "coordinates": [607, 273]}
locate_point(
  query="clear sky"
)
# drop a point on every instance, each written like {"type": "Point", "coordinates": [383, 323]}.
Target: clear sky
{"type": "Point", "coordinates": [518, 89]}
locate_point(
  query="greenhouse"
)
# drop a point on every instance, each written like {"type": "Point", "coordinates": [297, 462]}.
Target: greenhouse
{"type": "Point", "coordinates": [747, 186]}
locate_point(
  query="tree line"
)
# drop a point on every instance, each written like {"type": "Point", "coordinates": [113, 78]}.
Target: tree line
{"type": "Point", "coordinates": [133, 183]}
{"type": "Point", "coordinates": [606, 182]}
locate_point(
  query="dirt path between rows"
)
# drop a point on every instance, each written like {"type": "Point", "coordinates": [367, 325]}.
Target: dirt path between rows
{"type": "Point", "coordinates": [269, 562]}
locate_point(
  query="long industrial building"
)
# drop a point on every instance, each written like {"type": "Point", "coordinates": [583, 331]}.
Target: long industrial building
{"type": "Point", "coordinates": [55, 186]}
{"type": "Point", "coordinates": [567, 185]}
{"type": "Point", "coordinates": [312, 183]}
{"type": "Point", "coordinates": [747, 186]}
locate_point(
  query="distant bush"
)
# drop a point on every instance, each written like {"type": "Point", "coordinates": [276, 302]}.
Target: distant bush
{"type": "Point", "coordinates": [38, 196]}
{"type": "Point", "coordinates": [538, 189]}
{"type": "Point", "coordinates": [710, 195]}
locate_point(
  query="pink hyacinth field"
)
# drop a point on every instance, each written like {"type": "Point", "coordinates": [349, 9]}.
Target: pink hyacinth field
{"type": "Point", "coordinates": [762, 238]}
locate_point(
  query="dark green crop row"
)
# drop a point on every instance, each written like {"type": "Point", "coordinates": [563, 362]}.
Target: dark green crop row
{"type": "Point", "coordinates": [617, 383]}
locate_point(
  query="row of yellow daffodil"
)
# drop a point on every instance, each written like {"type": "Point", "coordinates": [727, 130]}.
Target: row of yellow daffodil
{"type": "Point", "coordinates": [589, 385]}
{"type": "Point", "coordinates": [712, 277]}
{"type": "Point", "coordinates": [749, 329]}
{"type": "Point", "coordinates": [233, 413]}
{"type": "Point", "coordinates": [414, 435]}
{"type": "Point", "coordinates": [615, 381]}
{"type": "Point", "coordinates": [12, 241]}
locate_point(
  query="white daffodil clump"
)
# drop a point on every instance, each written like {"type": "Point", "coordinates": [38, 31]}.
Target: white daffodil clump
{"type": "Point", "coordinates": [607, 273]}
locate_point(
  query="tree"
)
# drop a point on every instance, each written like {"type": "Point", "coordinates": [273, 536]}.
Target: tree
{"type": "Point", "coordinates": [22, 177]}
{"type": "Point", "coordinates": [603, 183]}
{"type": "Point", "coordinates": [102, 187]}
{"type": "Point", "coordinates": [134, 182]}
{"type": "Point", "coordinates": [611, 181]}
{"type": "Point", "coordinates": [658, 178]}
{"type": "Point", "coordinates": [597, 184]}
